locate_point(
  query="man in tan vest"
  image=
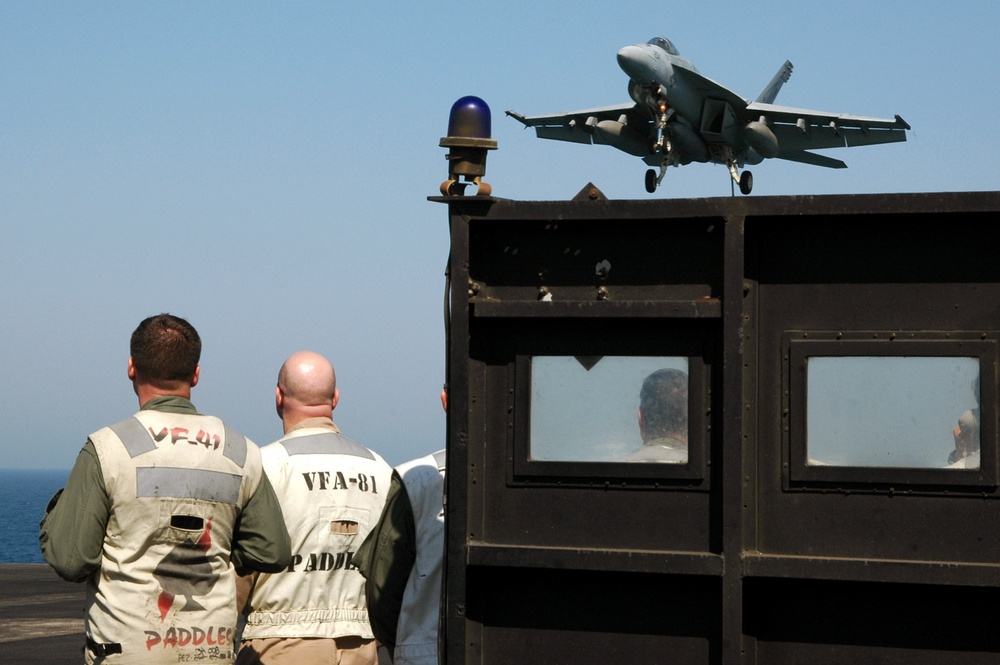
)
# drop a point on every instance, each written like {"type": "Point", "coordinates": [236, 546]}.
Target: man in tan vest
{"type": "Point", "coordinates": [160, 512]}
{"type": "Point", "coordinates": [332, 491]}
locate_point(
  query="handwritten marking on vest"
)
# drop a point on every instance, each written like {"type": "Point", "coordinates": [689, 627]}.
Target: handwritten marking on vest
{"type": "Point", "coordinates": [325, 480]}
{"type": "Point", "coordinates": [202, 654]}
{"type": "Point", "coordinates": [203, 438]}
{"type": "Point", "coordinates": [321, 561]}
{"type": "Point", "coordinates": [215, 636]}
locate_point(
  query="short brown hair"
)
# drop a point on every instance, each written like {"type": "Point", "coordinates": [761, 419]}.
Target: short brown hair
{"type": "Point", "coordinates": [663, 401]}
{"type": "Point", "coordinates": [165, 348]}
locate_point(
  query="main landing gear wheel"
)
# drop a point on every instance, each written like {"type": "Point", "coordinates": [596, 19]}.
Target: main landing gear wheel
{"type": "Point", "coordinates": [746, 182]}
{"type": "Point", "coordinates": [651, 181]}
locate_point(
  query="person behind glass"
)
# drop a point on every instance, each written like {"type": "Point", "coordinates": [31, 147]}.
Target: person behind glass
{"type": "Point", "coordinates": [966, 435]}
{"type": "Point", "coordinates": [331, 491]}
{"type": "Point", "coordinates": [159, 514]}
{"type": "Point", "coordinates": [663, 418]}
{"type": "Point", "coordinates": [402, 560]}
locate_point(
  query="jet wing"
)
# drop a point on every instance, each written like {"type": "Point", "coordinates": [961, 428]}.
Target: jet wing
{"type": "Point", "coordinates": [574, 126]}
{"type": "Point", "coordinates": [803, 129]}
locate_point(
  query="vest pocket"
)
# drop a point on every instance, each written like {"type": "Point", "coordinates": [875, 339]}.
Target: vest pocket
{"type": "Point", "coordinates": [184, 522]}
{"type": "Point", "coordinates": [339, 527]}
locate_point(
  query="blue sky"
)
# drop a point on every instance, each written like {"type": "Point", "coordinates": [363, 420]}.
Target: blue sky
{"type": "Point", "coordinates": [263, 169]}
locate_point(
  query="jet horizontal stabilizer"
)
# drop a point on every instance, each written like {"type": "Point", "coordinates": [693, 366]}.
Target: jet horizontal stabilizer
{"type": "Point", "coordinates": [804, 157]}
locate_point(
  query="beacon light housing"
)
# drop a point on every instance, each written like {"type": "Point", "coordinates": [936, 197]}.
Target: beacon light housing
{"type": "Point", "coordinates": [469, 127]}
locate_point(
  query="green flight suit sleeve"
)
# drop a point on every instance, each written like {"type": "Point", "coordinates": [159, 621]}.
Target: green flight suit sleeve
{"type": "Point", "coordinates": [260, 539]}
{"type": "Point", "coordinates": [71, 534]}
{"type": "Point", "coordinates": [386, 558]}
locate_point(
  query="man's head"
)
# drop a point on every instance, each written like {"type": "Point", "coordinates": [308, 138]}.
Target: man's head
{"type": "Point", "coordinates": [307, 388]}
{"type": "Point", "coordinates": [164, 354]}
{"type": "Point", "coordinates": [663, 405]}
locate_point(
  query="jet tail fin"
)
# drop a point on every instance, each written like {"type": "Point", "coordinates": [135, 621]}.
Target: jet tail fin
{"type": "Point", "coordinates": [771, 91]}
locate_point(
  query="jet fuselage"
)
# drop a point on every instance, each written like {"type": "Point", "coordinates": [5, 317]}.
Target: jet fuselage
{"type": "Point", "coordinates": [651, 70]}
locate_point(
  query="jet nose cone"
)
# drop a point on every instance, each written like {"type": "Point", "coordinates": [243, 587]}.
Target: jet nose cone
{"type": "Point", "coordinates": [628, 54]}
{"type": "Point", "coordinates": [632, 59]}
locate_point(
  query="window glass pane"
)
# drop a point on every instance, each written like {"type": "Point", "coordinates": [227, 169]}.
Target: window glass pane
{"type": "Point", "coordinates": [913, 412]}
{"type": "Point", "coordinates": [587, 409]}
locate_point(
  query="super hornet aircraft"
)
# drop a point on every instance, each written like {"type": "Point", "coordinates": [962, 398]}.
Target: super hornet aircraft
{"type": "Point", "coordinates": [680, 116]}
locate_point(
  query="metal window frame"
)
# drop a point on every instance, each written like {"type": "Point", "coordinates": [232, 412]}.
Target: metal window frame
{"type": "Point", "coordinates": [799, 346]}
{"type": "Point", "coordinates": [523, 470]}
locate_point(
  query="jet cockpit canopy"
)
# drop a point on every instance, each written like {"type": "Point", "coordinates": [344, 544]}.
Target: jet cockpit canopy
{"type": "Point", "coordinates": [664, 44]}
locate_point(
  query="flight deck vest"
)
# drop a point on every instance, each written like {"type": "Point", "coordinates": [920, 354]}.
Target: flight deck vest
{"type": "Point", "coordinates": [331, 491]}
{"type": "Point", "coordinates": [417, 632]}
{"type": "Point", "coordinates": [165, 590]}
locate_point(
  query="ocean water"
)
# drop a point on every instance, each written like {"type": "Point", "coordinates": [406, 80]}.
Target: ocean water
{"type": "Point", "coordinates": [24, 493]}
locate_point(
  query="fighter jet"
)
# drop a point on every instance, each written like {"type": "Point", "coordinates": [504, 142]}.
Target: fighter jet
{"type": "Point", "coordinates": [680, 116]}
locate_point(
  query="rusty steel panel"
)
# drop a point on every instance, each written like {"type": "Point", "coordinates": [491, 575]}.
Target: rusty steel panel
{"type": "Point", "coordinates": [749, 551]}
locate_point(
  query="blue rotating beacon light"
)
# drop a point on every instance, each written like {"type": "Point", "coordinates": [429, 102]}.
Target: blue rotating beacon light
{"type": "Point", "coordinates": [467, 142]}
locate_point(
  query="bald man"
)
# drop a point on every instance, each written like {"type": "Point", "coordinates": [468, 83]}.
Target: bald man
{"type": "Point", "coordinates": [331, 491]}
